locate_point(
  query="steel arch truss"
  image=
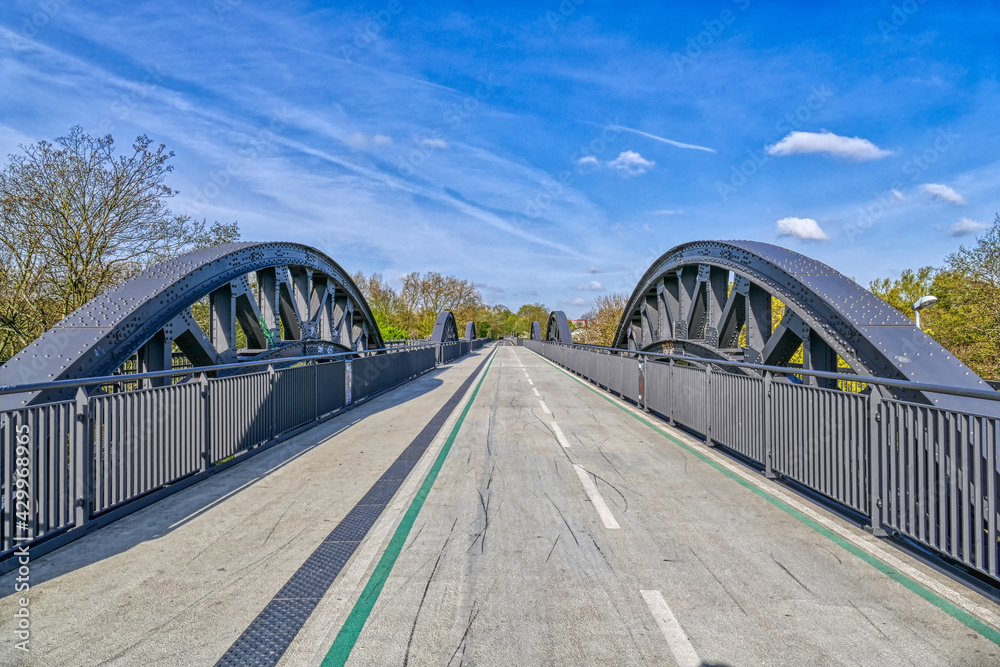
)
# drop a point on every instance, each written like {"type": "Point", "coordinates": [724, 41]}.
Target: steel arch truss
{"type": "Point", "coordinates": [470, 330]}
{"type": "Point", "coordinates": [288, 299]}
{"type": "Point", "coordinates": [536, 331]}
{"type": "Point", "coordinates": [558, 328]}
{"type": "Point", "coordinates": [705, 298]}
{"type": "Point", "coordinates": [445, 328]}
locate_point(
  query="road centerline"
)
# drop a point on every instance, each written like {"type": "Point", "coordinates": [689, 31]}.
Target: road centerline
{"type": "Point", "coordinates": [596, 499]}
{"type": "Point", "coordinates": [677, 639]}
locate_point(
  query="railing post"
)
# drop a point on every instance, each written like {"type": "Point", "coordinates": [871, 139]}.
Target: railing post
{"type": "Point", "coordinates": [670, 393]}
{"type": "Point", "coordinates": [768, 427]}
{"type": "Point", "coordinates": [272, 400]}
{"type": "Point", "coordinates": [84, 459]}
{"type": "Point", "coordinates": [876, 508]}
{"type": "Point", "coordinates": [642, 383]}
{"type": "Point", "coordinates": [708, 405]}
{"type": "Point", "coordinates": [206, 402]}
{"type": "Point", "coordinates": [315, 366]}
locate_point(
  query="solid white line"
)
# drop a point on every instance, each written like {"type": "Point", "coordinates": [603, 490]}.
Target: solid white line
{"type": "Point", "coordinates": [559, 435]}
{"type": "Point", "coordinates": [545, 408]}
{"type": "Point", "coordinates": [862, 542]}
{"type": "Point", "coordinates": [536, 391]}
{"type": "Point", "coordinates": [212, 504]}
{"type": "Point", "coordinates": [596, 498]}
{"type": "Point", "coordinates": [679, 644]}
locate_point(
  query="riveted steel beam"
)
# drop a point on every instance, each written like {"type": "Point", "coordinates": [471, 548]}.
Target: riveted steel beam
{"type": "Point", "coordinates": [826, 314]}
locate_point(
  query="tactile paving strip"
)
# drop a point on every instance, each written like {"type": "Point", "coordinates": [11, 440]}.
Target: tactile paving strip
{"type": "Point", "coordinates": [269, 635]}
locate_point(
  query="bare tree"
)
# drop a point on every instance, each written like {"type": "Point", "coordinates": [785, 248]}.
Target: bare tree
{"type": "Point", "coordinates": [427, 295]}
{"type": "Point", "coordinates": [602, 320]}
{"type": "Point", "coordinates": [76, 219]}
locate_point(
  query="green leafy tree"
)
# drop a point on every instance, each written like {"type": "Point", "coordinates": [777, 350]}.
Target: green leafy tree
{"type": "Point", "coordinates": [528, 313]}
{"type": "Point", "coordinates": [966, 318]}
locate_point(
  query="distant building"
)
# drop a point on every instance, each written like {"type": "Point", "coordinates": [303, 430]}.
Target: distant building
{"type": "Point", "coordinates": [579, 324]}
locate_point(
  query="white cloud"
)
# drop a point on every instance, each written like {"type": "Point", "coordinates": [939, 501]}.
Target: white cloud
{"type": "Point", "coordinates": [433, 143]}
{"type": "Point", "coordinates": [578, 301]}
{"type": "Point", "coordinates": [802, 228]}
{"type": "Point", "coordinates": [631, 163]}
{"type": "Point", "coordinates": [357, 140]}
{"type": "Point", "coordinates": [897, 196]}
{"type": "Point", "coordinates": [944, 193]}
{"type": "Point", "coordinates": [587, 160]}
{"type": "Point", "coordinates": [593, 285]}
{"type": "Point", "coordinates": [966, 226]}
{"type": "Point", "coordinates": [849, 148]}
{"type": "Point", "coordinates": [668, 211]}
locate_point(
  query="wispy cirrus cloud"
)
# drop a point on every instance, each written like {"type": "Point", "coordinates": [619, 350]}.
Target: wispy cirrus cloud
{"type": "Point", "coordinates": [855, 149]}
{"type": "Point", "coordinates": [669, 142]}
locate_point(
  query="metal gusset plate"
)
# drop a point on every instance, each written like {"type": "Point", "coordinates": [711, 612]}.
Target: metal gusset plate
{"type": "Point", "coordinates": [280, 294]}
{"type": "Point", "coordinates": [699, 297]}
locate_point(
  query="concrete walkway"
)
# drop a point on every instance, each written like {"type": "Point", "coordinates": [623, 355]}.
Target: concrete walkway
{"type": "Point", "coordinates": [559, 529]}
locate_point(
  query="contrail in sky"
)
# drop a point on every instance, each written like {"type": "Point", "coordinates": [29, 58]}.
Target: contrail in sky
{"type": "Point", "coordinates": [671, 142]}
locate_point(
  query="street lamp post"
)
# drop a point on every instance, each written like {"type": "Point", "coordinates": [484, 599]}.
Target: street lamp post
{"type": "Point", "coordinates": [921, 303]}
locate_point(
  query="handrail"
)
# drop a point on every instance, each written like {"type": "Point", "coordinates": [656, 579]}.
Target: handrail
{"type": "Point", "coordinates": [194, 370]}
{"type": "Point", "coordinates": [988, 395]}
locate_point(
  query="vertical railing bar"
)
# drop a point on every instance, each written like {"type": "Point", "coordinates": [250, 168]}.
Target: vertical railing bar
{"type": "Point", "coordinates": [992, 490]}
{"type": "Point", "coordinates": [965, 491]}
{"type": "Point", "coordinates": [976, 491]}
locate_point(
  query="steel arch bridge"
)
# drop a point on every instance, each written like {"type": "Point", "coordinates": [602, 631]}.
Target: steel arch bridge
{"type": "Point", "coordinates": [288, 299]}
{"type": "Point", "coordinates": [715, 300]}
{"type": "Point", "coordinates": [558, 328]}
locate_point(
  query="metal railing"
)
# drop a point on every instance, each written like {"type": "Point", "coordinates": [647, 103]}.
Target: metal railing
{"type": "Point", "coordinates": [74, 464]}
{"type": "Point", "coordinates": [927, 473]}
{"type": "Point", "coordinates": [455, 349]}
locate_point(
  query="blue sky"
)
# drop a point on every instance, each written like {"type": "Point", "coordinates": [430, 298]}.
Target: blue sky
{"type": "Point", "coordinates": [547, 151]}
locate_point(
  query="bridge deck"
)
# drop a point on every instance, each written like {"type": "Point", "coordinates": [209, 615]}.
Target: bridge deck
{"type": "Point", "coordinates": [561, 528]}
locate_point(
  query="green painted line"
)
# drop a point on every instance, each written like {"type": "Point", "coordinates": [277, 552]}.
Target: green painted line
{"type": "Point", "coordinates": [355, 623]}
{"type": "Point", "coordinates": [969, 620]}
